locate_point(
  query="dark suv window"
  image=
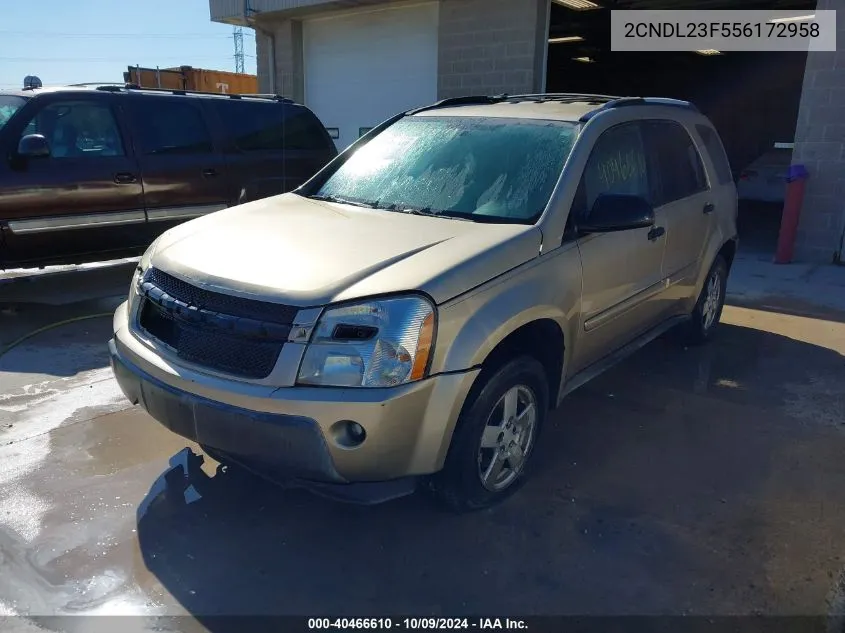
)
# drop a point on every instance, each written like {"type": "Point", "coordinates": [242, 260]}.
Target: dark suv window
{"type": "Point", "coordinates": [679, 172]}
{"type": "Point", "coordinates": [255, 126]}
{"type": "Point", "coordinates": [77, 129]}
{"type": "Point", "coordinates": [170, 127]}
{"type": "Point", "coordinates": [617, 164]}
{"type": "Point", "coordinates": [304, 130]}
{"type": "Point", "coordinates": [9, 104]}
{"type": "Point", "coordinates": [717, 153]}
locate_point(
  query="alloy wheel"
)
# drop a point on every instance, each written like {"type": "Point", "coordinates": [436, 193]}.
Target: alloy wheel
{"type": "Point", "coordinates": [508, 438]}
{"type": "Point", "coordinates": [712, 299]}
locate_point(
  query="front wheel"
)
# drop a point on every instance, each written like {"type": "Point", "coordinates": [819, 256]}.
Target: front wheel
{"type": "Point", "coordinates": [708, 309]}
{"type": "Point", "coordinates": [495, 438]}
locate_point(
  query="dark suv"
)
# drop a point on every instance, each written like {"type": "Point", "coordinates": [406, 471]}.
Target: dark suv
{"type": "Point", "coordinates": [89, 172]}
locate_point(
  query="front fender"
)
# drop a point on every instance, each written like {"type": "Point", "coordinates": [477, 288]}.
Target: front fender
{"type": "Point", "coordinates": [471, 326]}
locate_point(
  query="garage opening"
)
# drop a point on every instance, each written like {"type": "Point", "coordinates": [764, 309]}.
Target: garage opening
{"type": "Point", "coordinates": [752, 98]}
{"type": "Point", "coordinates": [388, 52]}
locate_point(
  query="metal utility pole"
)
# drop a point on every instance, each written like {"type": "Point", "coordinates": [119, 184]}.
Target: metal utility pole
{"type": "Point", "coordinates": [238, 35]}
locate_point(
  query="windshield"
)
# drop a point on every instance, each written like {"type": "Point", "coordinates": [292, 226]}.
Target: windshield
{"type": "Point", "coordinates": [482, 169]}
{"type": "Point", "coordinates": [8, 106]}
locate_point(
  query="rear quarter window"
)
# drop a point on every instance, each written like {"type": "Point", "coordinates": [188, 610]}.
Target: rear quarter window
{"type": "Point", "coordinates": [271, 126]}
{"type": "Point", "coordinates": [304, 130]}
{"type": "Point", "coordinates": [716, 151]}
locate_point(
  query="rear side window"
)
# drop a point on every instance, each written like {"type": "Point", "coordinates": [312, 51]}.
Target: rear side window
{"type": "Point", "coordinates": [170, 127]}
{"type": "Point", "coordinates": [257, 127]}
{"type": "Point", "coordinates": [678, 170]}
{"type": "Point", "coordinates": [717, 153]}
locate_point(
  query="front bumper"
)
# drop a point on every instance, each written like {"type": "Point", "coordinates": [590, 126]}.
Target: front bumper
{"type": "Point", "coordinates": [286, 433]}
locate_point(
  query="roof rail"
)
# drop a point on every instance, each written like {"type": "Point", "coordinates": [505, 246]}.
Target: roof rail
{"type": "Point", "coordinates": [176, 91]}
{"type": "Point", "coordinates": [639, 101]}
{"type": "Point", "coordinates": [456, 101]}
{"type": "Point", "coordinates": [273, 97]}
{"type": "Point", "coordinates": [96, 83]}
{"type": "Point", "coordinates": [561, 96]}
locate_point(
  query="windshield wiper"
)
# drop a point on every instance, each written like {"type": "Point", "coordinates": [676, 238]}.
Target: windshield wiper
{"type": "Point", "coordinates": [427, 211]}
{"type": "Point", "coordinates": [356, 203]}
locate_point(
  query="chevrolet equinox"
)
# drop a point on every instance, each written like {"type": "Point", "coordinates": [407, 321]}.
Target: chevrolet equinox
{"type": "Point", "coordinates": [408, 316]}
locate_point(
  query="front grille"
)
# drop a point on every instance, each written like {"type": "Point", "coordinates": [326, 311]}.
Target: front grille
{"type": "Point", "coordinates": [213, 330]}
{"type": "Point", "coordinates": [217, 302]}
{"type": "Point", "coordinates": [209, 347]}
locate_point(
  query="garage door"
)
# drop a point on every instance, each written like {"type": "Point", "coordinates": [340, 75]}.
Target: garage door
{"type": "Point", "coordinates": [363, 67]}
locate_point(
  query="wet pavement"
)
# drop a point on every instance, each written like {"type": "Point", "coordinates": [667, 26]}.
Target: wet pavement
{"type": "Point", "coordinates": [686, 481]}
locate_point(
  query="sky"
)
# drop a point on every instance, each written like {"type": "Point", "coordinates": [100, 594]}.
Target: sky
{"type": "Point", "coordinates": [76, 41]}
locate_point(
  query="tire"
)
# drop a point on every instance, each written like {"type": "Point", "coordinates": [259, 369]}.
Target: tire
{"type": "Point", "coordinates": [705, 317]}
{"type": "Point", "coordinates": [461, 486]}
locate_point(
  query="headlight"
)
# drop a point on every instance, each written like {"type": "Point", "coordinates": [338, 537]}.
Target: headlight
{"type": "Point", "coordinates": [380, 343]}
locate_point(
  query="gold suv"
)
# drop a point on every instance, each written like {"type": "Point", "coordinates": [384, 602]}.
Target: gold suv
{"type": "Point", "coordinates": [411, 313]}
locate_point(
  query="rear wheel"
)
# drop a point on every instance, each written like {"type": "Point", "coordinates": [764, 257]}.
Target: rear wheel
{"type": "Point", "coordinates": [708, 309]}
{"type": "Point", "coordinates": [494, 441]}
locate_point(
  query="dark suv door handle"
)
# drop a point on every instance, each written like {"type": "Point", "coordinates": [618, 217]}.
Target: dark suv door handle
{"type": "Point", "coordinates": [708, 208]}
{"type": "Point", "coordinates": [209, 173]}
{"type": "Point", "coordinates": [656, 232]}
{"type": "Point", "coordinates": [125, 178]}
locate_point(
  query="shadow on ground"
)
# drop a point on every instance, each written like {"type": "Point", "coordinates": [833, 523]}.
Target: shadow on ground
{"type": "Point", "coordinates": [684, 481]}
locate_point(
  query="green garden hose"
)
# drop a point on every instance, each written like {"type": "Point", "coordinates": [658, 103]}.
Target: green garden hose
{"type": "Point", "coordinates": [50, 327]}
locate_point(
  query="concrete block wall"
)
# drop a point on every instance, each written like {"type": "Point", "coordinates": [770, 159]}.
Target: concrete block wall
{"type": "Point", "coordinates": [262, 52]}
{"type": "Point", "coordinates": [491, 47]}
{"type": "Point", "coordinates": [820, 145]}
{"type": "Point", "coordinates": [289, 79]}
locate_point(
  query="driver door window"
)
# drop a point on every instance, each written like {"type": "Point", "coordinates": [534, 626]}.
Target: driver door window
{"type": "Point", "coordinates": [78, 129]}
{"type": "Point", "coordinates": [617, 164]}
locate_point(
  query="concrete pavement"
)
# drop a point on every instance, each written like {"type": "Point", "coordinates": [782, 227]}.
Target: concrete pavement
{"type": "Point", "coordinates": [807, 288]}
{"type": "Point", "coordinates": [685, 481]}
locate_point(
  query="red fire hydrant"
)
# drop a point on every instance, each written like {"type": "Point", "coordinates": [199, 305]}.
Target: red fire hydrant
{"type": "Point", "coordinates": [796, 181]}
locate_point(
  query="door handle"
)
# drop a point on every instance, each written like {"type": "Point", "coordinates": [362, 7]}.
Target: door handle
{"type": "Point", "coordinates": [125, 178]}
{"type": "Point", "coordinates": [709, 208]}
{"type": "Point", "coordinates": [656, 232]}
{"type": "Point", "coordinates": [209, 173]}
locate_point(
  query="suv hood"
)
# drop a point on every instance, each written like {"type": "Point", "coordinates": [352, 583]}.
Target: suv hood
{"type": "Point", "coordinates": [305, 252]}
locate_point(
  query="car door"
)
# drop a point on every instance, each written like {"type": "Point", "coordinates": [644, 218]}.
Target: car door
{"type": "Point", "coordinates": [84, 198]}
{"type": "Point", "coordinates": [183, 172]}
{"type": "Point", "coordinates": [621, 278]}
{"type": "Point", "coordinates": [270, 147]}
{"type": "Point", "coordinates": [686, 202]}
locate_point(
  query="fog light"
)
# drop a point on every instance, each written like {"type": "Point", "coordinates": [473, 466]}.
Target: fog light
{"type": "Point", "coordinates": [356, 431]}
{"type": "Point", "coordinates": [348, 434]}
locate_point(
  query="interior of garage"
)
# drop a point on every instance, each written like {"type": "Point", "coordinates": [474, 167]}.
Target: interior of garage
{"type": "Point", "coordinates": [752, 98]}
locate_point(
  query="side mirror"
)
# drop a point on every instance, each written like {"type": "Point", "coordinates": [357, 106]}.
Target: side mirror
{"type": "Point", "coordinates": [618, 212]}
{"type": "Point", "coordinates": [34, 146]}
